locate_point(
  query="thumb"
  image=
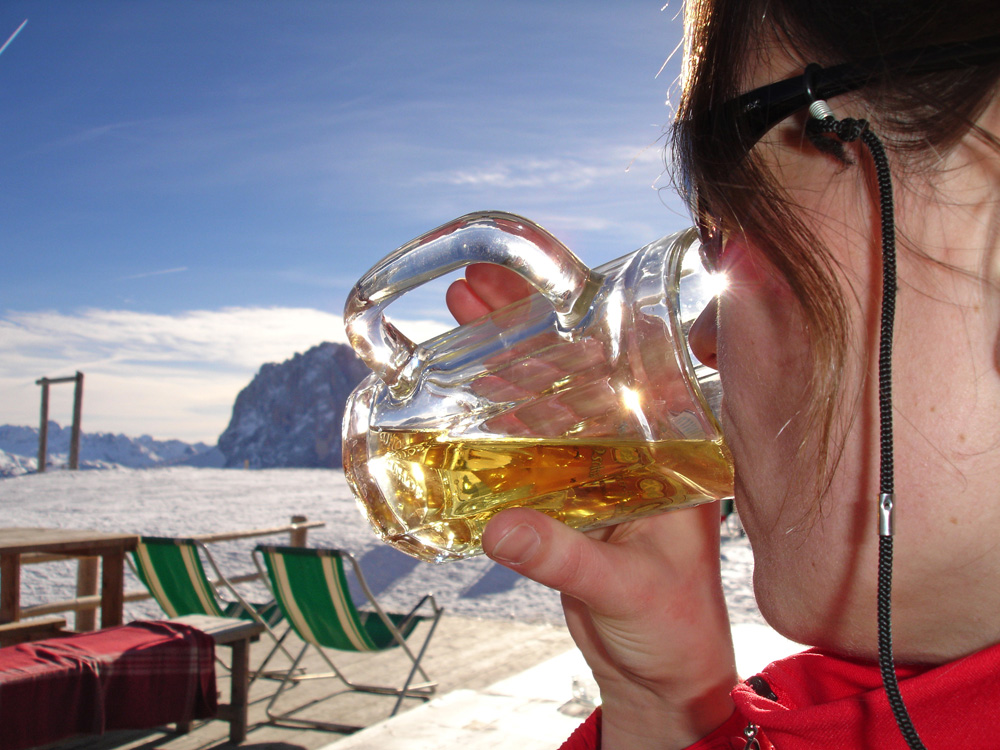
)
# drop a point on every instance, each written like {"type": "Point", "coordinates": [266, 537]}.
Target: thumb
{"type": "Point", "coordinates": [547, 551]}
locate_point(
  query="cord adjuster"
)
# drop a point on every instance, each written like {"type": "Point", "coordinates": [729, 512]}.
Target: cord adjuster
{"type": "Point", "coordinates": [886, 527]}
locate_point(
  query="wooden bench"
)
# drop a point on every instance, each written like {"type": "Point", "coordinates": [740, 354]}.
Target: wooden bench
{"type": "Point", "coordinates": [237, 635]}
{"type": "Point", "coordinates": [33, 629]}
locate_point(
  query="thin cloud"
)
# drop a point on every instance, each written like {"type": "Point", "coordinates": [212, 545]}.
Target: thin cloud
{"type": "Point", "coordinates": [532, 173]}
{"type": "Point", "coordinates": [601, 164]}
{"type": "Point", "coordinates": [147, 274]}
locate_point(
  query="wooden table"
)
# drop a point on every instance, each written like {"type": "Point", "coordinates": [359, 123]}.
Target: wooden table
{"type": "Point", "coordinates": [111, 548]}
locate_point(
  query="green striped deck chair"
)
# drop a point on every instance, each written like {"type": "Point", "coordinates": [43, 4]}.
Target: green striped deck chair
{"type": "Point", "coordinates": [311, 587]}
{"type": "Point", "coordinates": [172, 570]}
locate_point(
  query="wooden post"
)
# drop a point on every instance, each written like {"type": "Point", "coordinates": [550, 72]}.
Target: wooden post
{"type": "Point", "coordinates": [43, 428]}
{"type": "Point", "coordinates": [10, 587]}
{"type": "Point", "coordinates": [112, 587]}
{"type": "Point", "coordinates": [239, 691]}
{"type": "Point", "coordinates": [74, 444]}
{"type": "Point", "coordinates": [86, 585]}
{"type": "Point", "coordinates": [297, 537]}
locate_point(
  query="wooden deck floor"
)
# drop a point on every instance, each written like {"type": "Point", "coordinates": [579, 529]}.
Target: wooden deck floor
{"type": "Point", "coordinates": [464, 653]}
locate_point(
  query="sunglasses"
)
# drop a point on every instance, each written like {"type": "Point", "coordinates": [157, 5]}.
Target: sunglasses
{"type": "Point", "coordinates": [756, 112]}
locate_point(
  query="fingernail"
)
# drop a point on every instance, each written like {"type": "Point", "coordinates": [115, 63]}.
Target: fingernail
{"type": "Point", "coordinates": [516, 546]}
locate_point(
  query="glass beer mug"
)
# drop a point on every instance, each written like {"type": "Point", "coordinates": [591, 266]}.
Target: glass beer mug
{"type": "Point", "coordinates": [582, 400]}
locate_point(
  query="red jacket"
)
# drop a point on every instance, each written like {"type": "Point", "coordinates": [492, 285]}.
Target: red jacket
{"type": "Point", "coordinates": [819, 700]}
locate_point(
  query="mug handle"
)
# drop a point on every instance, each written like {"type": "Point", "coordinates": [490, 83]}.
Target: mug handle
{"type": "Point", "coordinates": [482, 237]}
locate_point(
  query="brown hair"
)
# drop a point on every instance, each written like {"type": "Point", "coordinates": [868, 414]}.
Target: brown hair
{"type": "Point", "coordinates": [913, 115]}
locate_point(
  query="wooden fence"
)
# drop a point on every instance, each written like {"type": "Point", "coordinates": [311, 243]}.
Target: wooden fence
{"type": "Point", "coordinates": [87, 600]}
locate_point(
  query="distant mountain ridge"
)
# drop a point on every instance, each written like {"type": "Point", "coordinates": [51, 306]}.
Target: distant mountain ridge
{"type": "Point", "coordinates": [100, 450]}
{"type": "Point", "coordinates": [290, 414]}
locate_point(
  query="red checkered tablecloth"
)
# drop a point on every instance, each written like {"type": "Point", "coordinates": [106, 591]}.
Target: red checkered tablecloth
{"type": "Point", "coordinates": [135, 676]}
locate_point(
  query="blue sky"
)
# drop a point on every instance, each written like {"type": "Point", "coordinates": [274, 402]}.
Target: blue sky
{"type": "Point", "coordinates": [190, 188]}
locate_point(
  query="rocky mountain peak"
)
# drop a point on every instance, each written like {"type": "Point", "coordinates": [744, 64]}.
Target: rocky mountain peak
{"type": "Point", "coordinates": [290, 413]}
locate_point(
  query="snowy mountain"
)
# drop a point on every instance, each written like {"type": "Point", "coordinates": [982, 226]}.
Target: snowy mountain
{"type": "Point", "coordinates": [19, 450]}
{"type": "Point", "coordinates": [290, 413]}
{"type": "Point", "coordinates": [288, 416]}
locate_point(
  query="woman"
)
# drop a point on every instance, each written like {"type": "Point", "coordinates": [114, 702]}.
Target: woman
{"type": "Point", "coordinates": [796, 215]}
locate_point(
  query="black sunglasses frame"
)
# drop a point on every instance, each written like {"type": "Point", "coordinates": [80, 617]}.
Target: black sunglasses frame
{"type": "Point", "coordinates": [759, 110]}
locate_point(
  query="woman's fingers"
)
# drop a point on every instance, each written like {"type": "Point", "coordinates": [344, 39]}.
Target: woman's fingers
{"type": "Point", "coordinates": [463, 303]}
{"type": "Point", "coordinates": [497, 286]}
{"type": "Point", "coordinates": [485, 288]}
{"type": "Point", "coordinates": [606, 577]}
{"type": "Point", "coordinates": [611, 569]}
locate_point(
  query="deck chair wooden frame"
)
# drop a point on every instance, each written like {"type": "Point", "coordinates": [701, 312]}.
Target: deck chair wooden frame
{"type": "Point", "coordinates": [171, 569]}
{"type": "Point", "coordinates": [311, 588]}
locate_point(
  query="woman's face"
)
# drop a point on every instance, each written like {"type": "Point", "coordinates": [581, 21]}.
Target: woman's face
{"type": "Point", "coordinates": [815, 547]}
{"type": "Point", "coordinates": [812, 554]}
{"type": "Point", "coordinates": [804, 586]}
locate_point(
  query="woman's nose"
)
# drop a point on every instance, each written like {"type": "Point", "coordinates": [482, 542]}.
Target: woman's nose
{"type": "Point", "coordinates": [702, 335]}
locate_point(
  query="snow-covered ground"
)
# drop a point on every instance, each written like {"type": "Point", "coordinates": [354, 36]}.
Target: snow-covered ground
{"type": "Point", "coordinates": [182, 501]}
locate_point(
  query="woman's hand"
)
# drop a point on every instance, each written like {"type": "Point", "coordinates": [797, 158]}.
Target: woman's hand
{"type": "Point", "coordinates": [643, 599]}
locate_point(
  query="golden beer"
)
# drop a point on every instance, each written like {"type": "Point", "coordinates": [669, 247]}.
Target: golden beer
{"type": "Point", "coordinates": [436, 494]}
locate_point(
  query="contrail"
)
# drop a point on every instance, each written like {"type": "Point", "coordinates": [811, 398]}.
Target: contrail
{"type": "Point", "coordinates": [153, 273]}
{"type": "Point", "coordinates": [11, 37]}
